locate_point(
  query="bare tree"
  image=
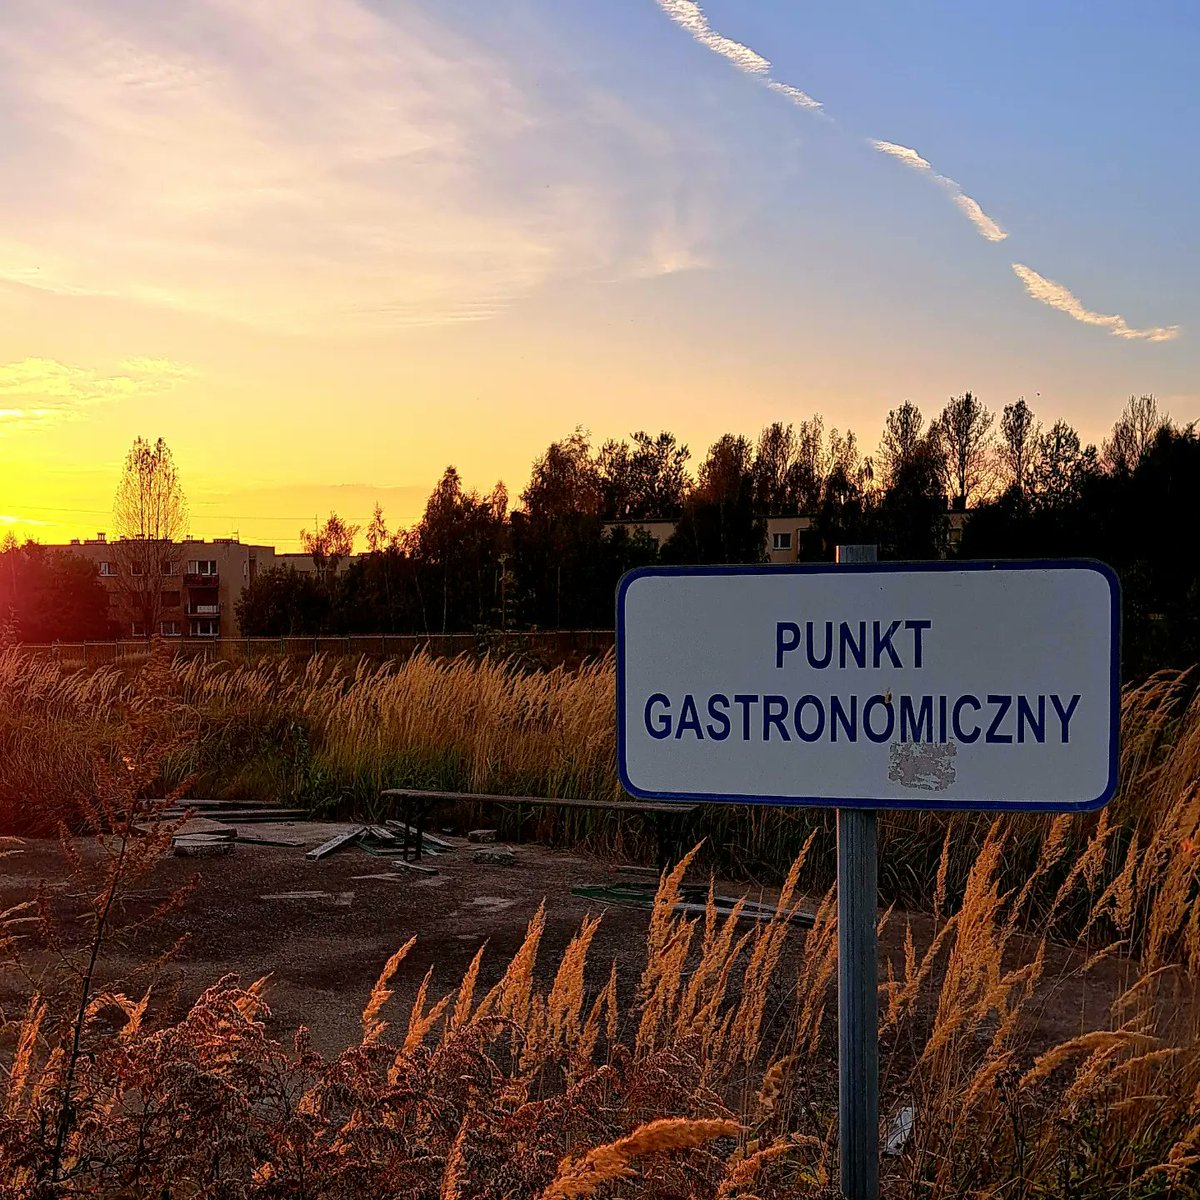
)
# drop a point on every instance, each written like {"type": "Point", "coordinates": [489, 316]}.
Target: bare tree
{"type": "Point", "coordinates": [847, 462]}
{"type": "Point", "coordinates": [966, 438]}
{"type": "Point", "coordinates": [901, 442]}
{"type": "Point", "coordinates": [378, 537]}
{"type": "Point", "coordinates": [149, 519]}
{"type": "Point", "coordinates": [328, 544]}
{"type": "Point", "coordinates": [1133, 433]}
{"type": "Point", "coordinates": [1019, 436]}
{"type": "Point", "coordinates": [775, 471]}
{"type": "Point", "coordinates": [1060, 465]}
{"type": "Point", "coordinates": [813, 463]}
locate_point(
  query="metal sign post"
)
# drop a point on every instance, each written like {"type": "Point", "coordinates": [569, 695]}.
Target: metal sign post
{"type": "Point", "coordinates": [862, 685]}
{"type": "Point", "coordinates": [858, 986]}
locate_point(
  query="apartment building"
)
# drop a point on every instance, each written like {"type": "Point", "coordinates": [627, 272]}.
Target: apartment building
{"type": "Point", "coordinates": [785, 538]}
{"type": "Point", "coordinates": [199, 582]}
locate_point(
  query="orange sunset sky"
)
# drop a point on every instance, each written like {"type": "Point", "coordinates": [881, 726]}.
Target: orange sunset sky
{"type": "Point", "coordinates": [327, 249]}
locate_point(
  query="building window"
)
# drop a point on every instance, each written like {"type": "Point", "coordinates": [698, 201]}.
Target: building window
{"type": "Point", "coordinates": [781, 541]}
{"type": "Point", "coordinates": [170, 599]}
{"type": "Point", "coordinates": [108, 569]}
{"type": "Point", "coordinates": [203, 566]}
{"type": "Point", "coordinates": [136, 568]}
{"type": "Point", "coordinates": [169, 628]}
{"type": "Point", "coordinates": [206, 628]}
{"type": "Point", "coordinates": [138, 629]}
{"type": "Point", "coordinates": [169, 566]}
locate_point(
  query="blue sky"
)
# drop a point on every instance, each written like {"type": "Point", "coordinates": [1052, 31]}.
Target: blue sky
{"type": "Point", "coordinates": [340, 244]}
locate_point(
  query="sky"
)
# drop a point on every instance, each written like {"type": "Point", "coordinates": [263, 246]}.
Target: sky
{"type": "Point", "coordinates": [326, 248]}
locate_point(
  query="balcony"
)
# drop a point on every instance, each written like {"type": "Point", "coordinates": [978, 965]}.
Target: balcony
{"type": "Point", "coordinates": [203, 610]}
{"type": "Point", "coordinates": [193, 580]}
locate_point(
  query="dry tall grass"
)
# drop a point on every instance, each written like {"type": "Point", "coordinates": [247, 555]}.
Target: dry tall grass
{"type": "Point", "coordinates": [716, 1082]}
{"type": "Point", "coordinates": [331, 736]}
{"type": "Point", "coordinates": [712, 1078]}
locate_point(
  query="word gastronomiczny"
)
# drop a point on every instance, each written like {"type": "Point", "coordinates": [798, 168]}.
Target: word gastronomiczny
{"type": "Point", "coordinates": [879, 717]}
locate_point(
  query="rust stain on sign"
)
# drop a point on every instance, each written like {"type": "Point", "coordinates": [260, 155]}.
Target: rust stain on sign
{"type": "Point", "coordinates": [928, 767]}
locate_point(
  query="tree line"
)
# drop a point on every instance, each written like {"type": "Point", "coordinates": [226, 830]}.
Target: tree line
{"type": "Point", "coordinates": [587, 515]}
{"type": "Point", "coordinates": [1011, 487]}
{"type": "Point", "coordinates": [49, 595]}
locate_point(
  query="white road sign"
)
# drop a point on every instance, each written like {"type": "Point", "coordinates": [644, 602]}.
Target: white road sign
{"type": "Point", "coordinates": [880, 685]}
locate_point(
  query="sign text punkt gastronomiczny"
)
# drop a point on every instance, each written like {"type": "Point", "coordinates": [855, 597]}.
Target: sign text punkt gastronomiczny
{"type": "Point", "coordinates": [935, 685]}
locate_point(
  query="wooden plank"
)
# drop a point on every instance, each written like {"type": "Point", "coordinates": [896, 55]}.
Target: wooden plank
{"type": "Point", "coordinates": [396, 850]}
{"type": "Point", "coordinates": [803, 919]}
{"type": "Point", "coordinates": [231, 816]}
{"type": "Point", "coordinates": [335, 843]}
{"type": "Point", "coordinates": [201, 805]}
{"type": "Point", "coordinates": [425, 837]}
{"type": "Point", "coordinates": [251, 816]}
{"type": "Point", "coordinates": [631, 806]}
{"type": "Point", "coordinates": [382, 834]}
{"type": "Point", "coordinates": [253, 839]}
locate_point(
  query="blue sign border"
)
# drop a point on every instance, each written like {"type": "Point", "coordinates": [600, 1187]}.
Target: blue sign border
{"type": "Point", "coordinates": [877, 568]}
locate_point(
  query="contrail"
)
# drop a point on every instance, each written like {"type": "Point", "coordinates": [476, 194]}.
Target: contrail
{"type": "Point", "coordinates": [969, 207]}
{"type": "Point", "coordinates": [690, 16]}
{"type": "Point", "coordinates": [794, 94]}
{"type": "Point", "coordinates": [1057, 296]}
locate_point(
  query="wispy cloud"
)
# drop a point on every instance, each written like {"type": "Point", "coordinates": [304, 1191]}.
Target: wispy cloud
{"type": "Point", "coordinates": [1057, 296]}
{"type": "Point", "coordinates": [36, 392]}
{"type": "Point", "coordinates": [308, 168]}
{"type": "Point", "coordinates": [969, 207]}
{"type": "Point", "coordinates": [10, 519]}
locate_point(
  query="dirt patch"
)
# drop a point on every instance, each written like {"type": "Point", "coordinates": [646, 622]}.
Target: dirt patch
{"type": "Point", "coordinates": [322, 930]}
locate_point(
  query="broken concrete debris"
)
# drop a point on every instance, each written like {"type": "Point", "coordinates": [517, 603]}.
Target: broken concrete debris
{"type": "Point", "coordinates": [217, 821]}
{"type": "Point", "coordinates": [402, 864]}
{"type": "Point", "coordinates": [200, 825]}
{"type": "Point", "coordinates": [495, 856]}
{"type": "Point", "coordinates": [201, 845]}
